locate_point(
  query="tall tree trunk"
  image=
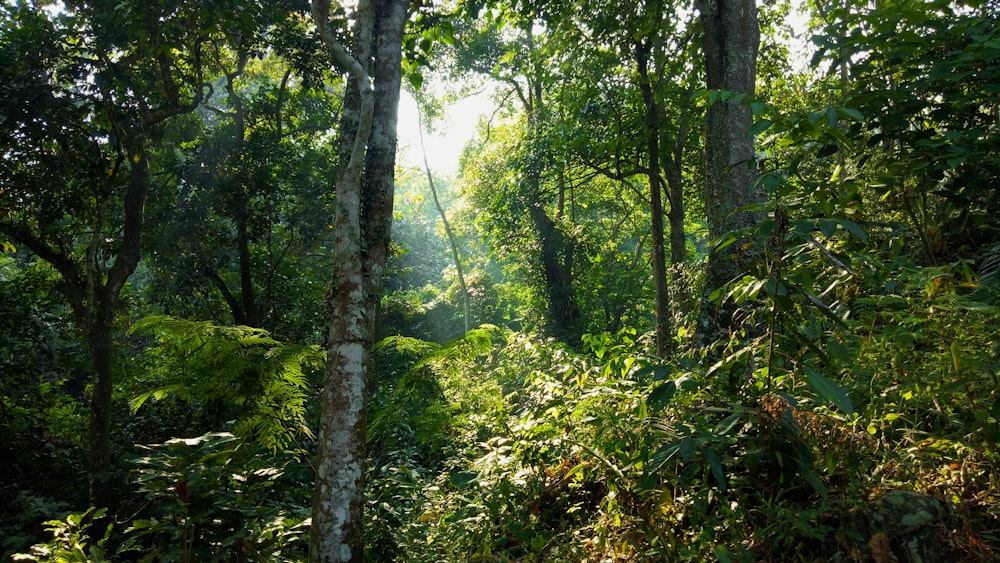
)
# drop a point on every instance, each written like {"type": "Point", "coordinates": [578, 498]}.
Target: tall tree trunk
{"type": "Point", "coordinates": [556, 256]}
{"type": "Point", "coordinates": [103, 303]}
{"type": "Point", "coordinates": [248, 300]}
{"type": "Point", "coordinates": [100, 336]}
{"type": "Point", "coordinates": [444, 220]}
{"type": "Point", "coordinates": [731, 41]}
{"type": "Point", "coordinates": [362, 220]}
{"type": "Point", "coordinates": [675, 192]}
{"type": "Point", "coordinates": [662, 330]}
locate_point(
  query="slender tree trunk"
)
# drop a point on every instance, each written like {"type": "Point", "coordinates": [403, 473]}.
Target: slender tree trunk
{"type": "Point", "coordinates": [248, 299]}
{"type": "Point", "coordinates": [362, 221]}
{"type": "Point", "coordinates": [731, 40]}
{"type": "Point", "coordinates": [662, 330]}
{"type": "Point", "coordinates": [447, 226]}
{"type": "Point", "coordinates": [675, 193]}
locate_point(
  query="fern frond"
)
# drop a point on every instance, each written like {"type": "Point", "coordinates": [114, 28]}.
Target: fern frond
{"type": "Point", "coordinates": [989, 273]}
{"type": "Point", "coordinates": [477, 342]}
{"type": "Point", "coordinates": [244, 367]}
{"type": "Point", "coordinates": [407, 345]}
{"type": "Point", "coordinates": [156, 394]}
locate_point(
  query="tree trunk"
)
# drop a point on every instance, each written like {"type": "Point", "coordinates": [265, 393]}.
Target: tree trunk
{"type": "Point", "coordinates": [662, 330]}
{"type": "Point", "coordinates": [100, 336]}
{"type": "Point", "coordinates": [731, 40]}
{"type": "Point", "coordinates": [556, 257]}
{"type": "Point", "coordinates": [675, 193]}
{"type": "Point", "coordinates": [362, 220]}
{"type": "Point", "coordinates": [564, 313]}
{"type": "Point", "coordinates": [452, 242]}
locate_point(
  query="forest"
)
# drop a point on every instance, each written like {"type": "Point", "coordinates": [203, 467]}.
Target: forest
{"type": "Point", "coordinates": [713, 280]}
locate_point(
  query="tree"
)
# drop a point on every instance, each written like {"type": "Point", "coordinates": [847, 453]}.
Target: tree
{"type": "Point", "coordinates": [238, 231]}
{"type": "Point", "coordinates": [923, 75]}
{"type": "Point", "coordinates": [730, 41]}
{"type": "Point", "coordinates": [509, 49]}
{"type": "Point", "coordinates": [452, 243]}
{"type": "Point", "coordinates": [644, 38]}
{"type": "Point", "coordinates": [86, 93]}
{"type": "Point", "coordinates": [362, 219]}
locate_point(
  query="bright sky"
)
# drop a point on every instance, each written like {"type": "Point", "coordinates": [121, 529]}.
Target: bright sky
{"type": "Point", "coordinates": [445, 146]}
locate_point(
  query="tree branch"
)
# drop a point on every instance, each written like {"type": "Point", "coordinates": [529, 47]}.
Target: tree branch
{"type": "Point", "coordinates": [321, 17]}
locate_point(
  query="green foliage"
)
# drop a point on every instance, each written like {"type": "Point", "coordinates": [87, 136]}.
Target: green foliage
{"type": "Point", "coordinates": [420, 394]}
{"type": "Point", "coordinates": [43, 372]}
{"type": "Point", "coordinates": [246, 209]}
{"type": "Point", "coordinates": [929, 97]}
{"type": "Point", "coordinates": [220, 498]}
{"type": "Point", "coordinates": [241, 371]}
{"type": "Point", "coordinates": [863, 357]}
{"type": "Point", "coordinates": [73, 540]}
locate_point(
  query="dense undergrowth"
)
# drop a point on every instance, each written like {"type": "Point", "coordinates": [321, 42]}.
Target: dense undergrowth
{"type": "Point", "coordinates": [502, 446]}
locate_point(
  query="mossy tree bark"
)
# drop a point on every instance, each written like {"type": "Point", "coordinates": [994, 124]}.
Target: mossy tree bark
{"type": "Point", "coordinates": [362, 221]}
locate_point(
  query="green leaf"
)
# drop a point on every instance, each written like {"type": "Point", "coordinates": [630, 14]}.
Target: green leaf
{"type": "Point", "coordinates": [723, 554]}
{"type": "Point", "coordinates": [660, 397]}
{"type": "Point", "coordinates": [852, 113]}
{"type": "Point", "coordinates": [760, 127]}
{"type": "Point", "coordinates": [662, 455]}
{"type": "Point", "coordinates": [810, 476]}
{"type": "Point", "coordinates": [727, 424]}
{"type": "Point", "coordinates": [829, 390]}
{"type": "Point", "coordinates": [716, 465]}
{"type": "Point", "coordinates": [416, 79]}
{"type": "Point", "coordinates": [463, 478]}
{"type": "Point", "coordinates": [658, 372]}
{"type": "Point", "coordinates": [757, 107]}
{"type": "Point", "coordinates": [827, 150]}
{"type": "Point", "coordinates": [771, 182]}
{"type": "Point", "coordinates": [832, 117]}
{"type": "Point", "coordinates": [853, 228]}
{"type": "Point", "coordinates": [827, 227]}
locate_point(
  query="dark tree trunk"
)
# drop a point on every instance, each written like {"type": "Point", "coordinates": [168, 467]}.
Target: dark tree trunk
{"type": "Point", "coordinates": [675, 193]}
{"type": "Point", "coordinates": [247, 312]}
{"type": "Point", "coordinates": [100, 336]}
{"type": "Point", "coordinates": [103, 303]}
{"type": "Point", "coordinates": [556, 254]}
{"type": "Point", "coordinates": [564, 313]}
{"type": "Point", "coordinates": [662, 331]}
{"type": "Point", "coordinates": [731, 39]}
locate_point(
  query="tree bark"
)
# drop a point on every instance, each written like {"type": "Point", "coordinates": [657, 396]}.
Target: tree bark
{"type": "Point", "coordinates": [731, 40]}
{"type": "Point", "coordinates": [362, 221]}
{"type": "Point", "coordinates": [675, 192]}
{"type": "Point", "coordinates": [662, 329]}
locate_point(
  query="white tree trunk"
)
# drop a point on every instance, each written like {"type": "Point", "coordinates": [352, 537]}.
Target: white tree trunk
{"type": "Point", "coordinates": [362, 217]}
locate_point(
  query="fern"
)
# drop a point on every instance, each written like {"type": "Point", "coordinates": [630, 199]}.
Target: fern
{"type": "Point", "coordinates": [243, 368]}
{"type": "Point", "coordinates": [989, 275]}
